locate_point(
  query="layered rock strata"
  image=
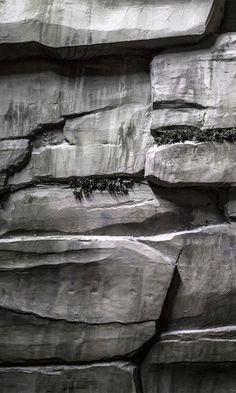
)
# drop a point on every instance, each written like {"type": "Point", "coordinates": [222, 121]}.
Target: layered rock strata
{"type": "Point", "coordinates": [117, 250]}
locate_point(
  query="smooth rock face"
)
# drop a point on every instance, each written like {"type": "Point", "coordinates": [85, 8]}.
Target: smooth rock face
{"type": "Point", "coordinates": [143, 211]}
{"type": "Point", "coordinates": [190, 164]}
{"type": "Point", "coordinates": [68, 24]}
{"type": "Point", "coordinates": [92, 280]}
{"type": "Point", "coordinates": [98, 378]}
{"type": "Point", "coordinates": [201, 90]}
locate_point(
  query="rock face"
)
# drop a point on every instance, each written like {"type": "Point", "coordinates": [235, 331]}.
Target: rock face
{"type": "Point", "coordinates": [179, 99]}
{"type": "Point", "coordinates": [118, 377]}
{"type": "Point", "coordinates": [95, 288]}
{"type": "Point", "coordinates": [60, 24]}
{"type": "Point", "coordinates": [191, 164]}
{"type": "Point", "coordinates": [117, 240]}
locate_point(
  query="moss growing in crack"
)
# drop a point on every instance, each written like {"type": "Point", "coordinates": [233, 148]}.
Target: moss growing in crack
{"type": "Point", "coordinates": [84, 187]}
{"type": "Point", "coordinates": [172, 135]}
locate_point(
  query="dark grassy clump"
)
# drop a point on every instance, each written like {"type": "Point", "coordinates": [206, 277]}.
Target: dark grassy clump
{"type": "Point", "coordinates": [182, 134]}
{"type": "Point", "coordinates": [84, 187]}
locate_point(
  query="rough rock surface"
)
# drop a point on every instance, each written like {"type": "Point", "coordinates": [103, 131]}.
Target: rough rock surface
{"type": "Point", "coordinates": [196, 86]}
{"type": "Point", "coordinates": [191, 164]}
{"type": "Point", "coordinates": [98, 289]}
{"type": "Point", "coordinates": [60, 24]}
{"type": "Point", "coordinates": [205, 284]}
{"type": "Point", "coordinates": [98, 378]}
{"type": "Point", "coordinates": [143, 211]}
{"type": "Point", "coordinates": [104, 287]}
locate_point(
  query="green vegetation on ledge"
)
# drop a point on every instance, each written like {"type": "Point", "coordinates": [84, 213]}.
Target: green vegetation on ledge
{"type": "Point", "coordinates": [84, 187]}
{"type": "Point", "coordinates": [170, 135]}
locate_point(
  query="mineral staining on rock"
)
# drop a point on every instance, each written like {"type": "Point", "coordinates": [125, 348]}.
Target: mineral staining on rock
{"type": "Point", "coordinates": [59, 24]}
{"type": "Point", "coordinates": [196, 87]}
{"type": "Point", "coordinates": [110, 291]}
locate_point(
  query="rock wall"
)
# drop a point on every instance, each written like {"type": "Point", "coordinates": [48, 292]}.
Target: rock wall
{"type": "Point", "coordinates": [117, 237]}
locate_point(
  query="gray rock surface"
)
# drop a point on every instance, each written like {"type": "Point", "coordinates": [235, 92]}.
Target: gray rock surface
{"type": "Point", "coordinates": [192, 164]}
{"type": "Point", "coordinates": [96, 298]}
{"type": "Point", "coordinates": [111, 292]}
{"type": "Point", "coordinates": [204, 292]}
{"type": "Point", "coordinates": [143, 211]}
{"type": "Point", "coordinates": [13, 154]}
{"type": "Point", "coordinates": [194, 378]}
{"type": "Point", "coordinates": [98, 378]}
{"type": "Point", "coordinates": [215, 345]}
{"type": "Point", "coordinates": [43, 92]}
{"type": "Point", "coordinates": [29, 338]}
{"type": "Point", "coordinates": [200, 91]}
{"type": "Point", "coordinates": [71, 24]}
{"type": "Point", "coordinates": [84, 279]}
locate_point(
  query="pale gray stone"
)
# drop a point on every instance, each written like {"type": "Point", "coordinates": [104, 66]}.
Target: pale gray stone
{"type": "Point", "coordinates": [205, 288]}
{"type": "Point", "coordinates": [116, 377]}
{"type": "Point", "coordinates": [71, 24]}
{"type": "Point", "coordinates": [191, 164]}
{"type": "Point", "coordinates": [95, 280]}
{"type": "Point", "coordinates": [40, 92]}
{"type": "Point", "coordinates": [143, 211]}
{"type": "Point", "coordinates": [196, 86]}
{"type": "Point", "coordinates": [28, 338]}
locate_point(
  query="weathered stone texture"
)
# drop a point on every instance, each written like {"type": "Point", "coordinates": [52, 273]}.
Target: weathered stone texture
{"type": "Point", "coordinates": [98, 289]}
{"type": "Point", "coordinates": [59, 24]}
{"type": "Point", "coordinates": [194, 378]}
{"type": "Point", "coordinates": [99, 378]}
{"type": "Point", "coordinates": [192, 164]}
{"type": "Point", "coordinates": [115, 291]}
{"type": "Point", "coordinates": [196, 86]}
{"type": "Point", "coordinates": [143, 211]}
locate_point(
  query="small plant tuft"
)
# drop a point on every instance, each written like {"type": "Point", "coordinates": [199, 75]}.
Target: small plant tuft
{"type": "Point", "coordinates": [183, 134]}
{"type": "Point", "coordinates": [84, 187]}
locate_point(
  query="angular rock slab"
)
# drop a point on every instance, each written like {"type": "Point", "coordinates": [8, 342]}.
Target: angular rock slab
{"type": "Point", "coordinates": [13, 153]}
{"type": "Point", "coordinates": [215, 345]}
{"type": "Point", "coordinates": [204, 293]}
{"type": "Point", "coordinates": [201, 352]}
{"type": "Point", "coordinates": [62, 24]}
{"type": "Point", "coordinates": [98, 378]}
{"type": "Point", "coordinates": [192, 164]}
{"type": "Point", "coordinates": [84, 279]}
{"type": "Point", "coordinates": [93, 150]}
{"type": "Point", "coordinates": [62, 90]}
{"type": "Point", "coordinates": [79, 298]}
{"type": "Point", "coordinates": [194, 378]}
{"type": "Point", "coordinates": [28, 338]}
{"type": "Point", "coordinates": [202, 88]}
{"type": "Point", "coordinates": [143, 211]}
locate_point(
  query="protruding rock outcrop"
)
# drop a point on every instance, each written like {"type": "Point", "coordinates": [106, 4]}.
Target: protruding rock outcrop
{"type": "Point", "coordinates": [192, 164]}
{"type": "Point", "coordinates": [94, 27]}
